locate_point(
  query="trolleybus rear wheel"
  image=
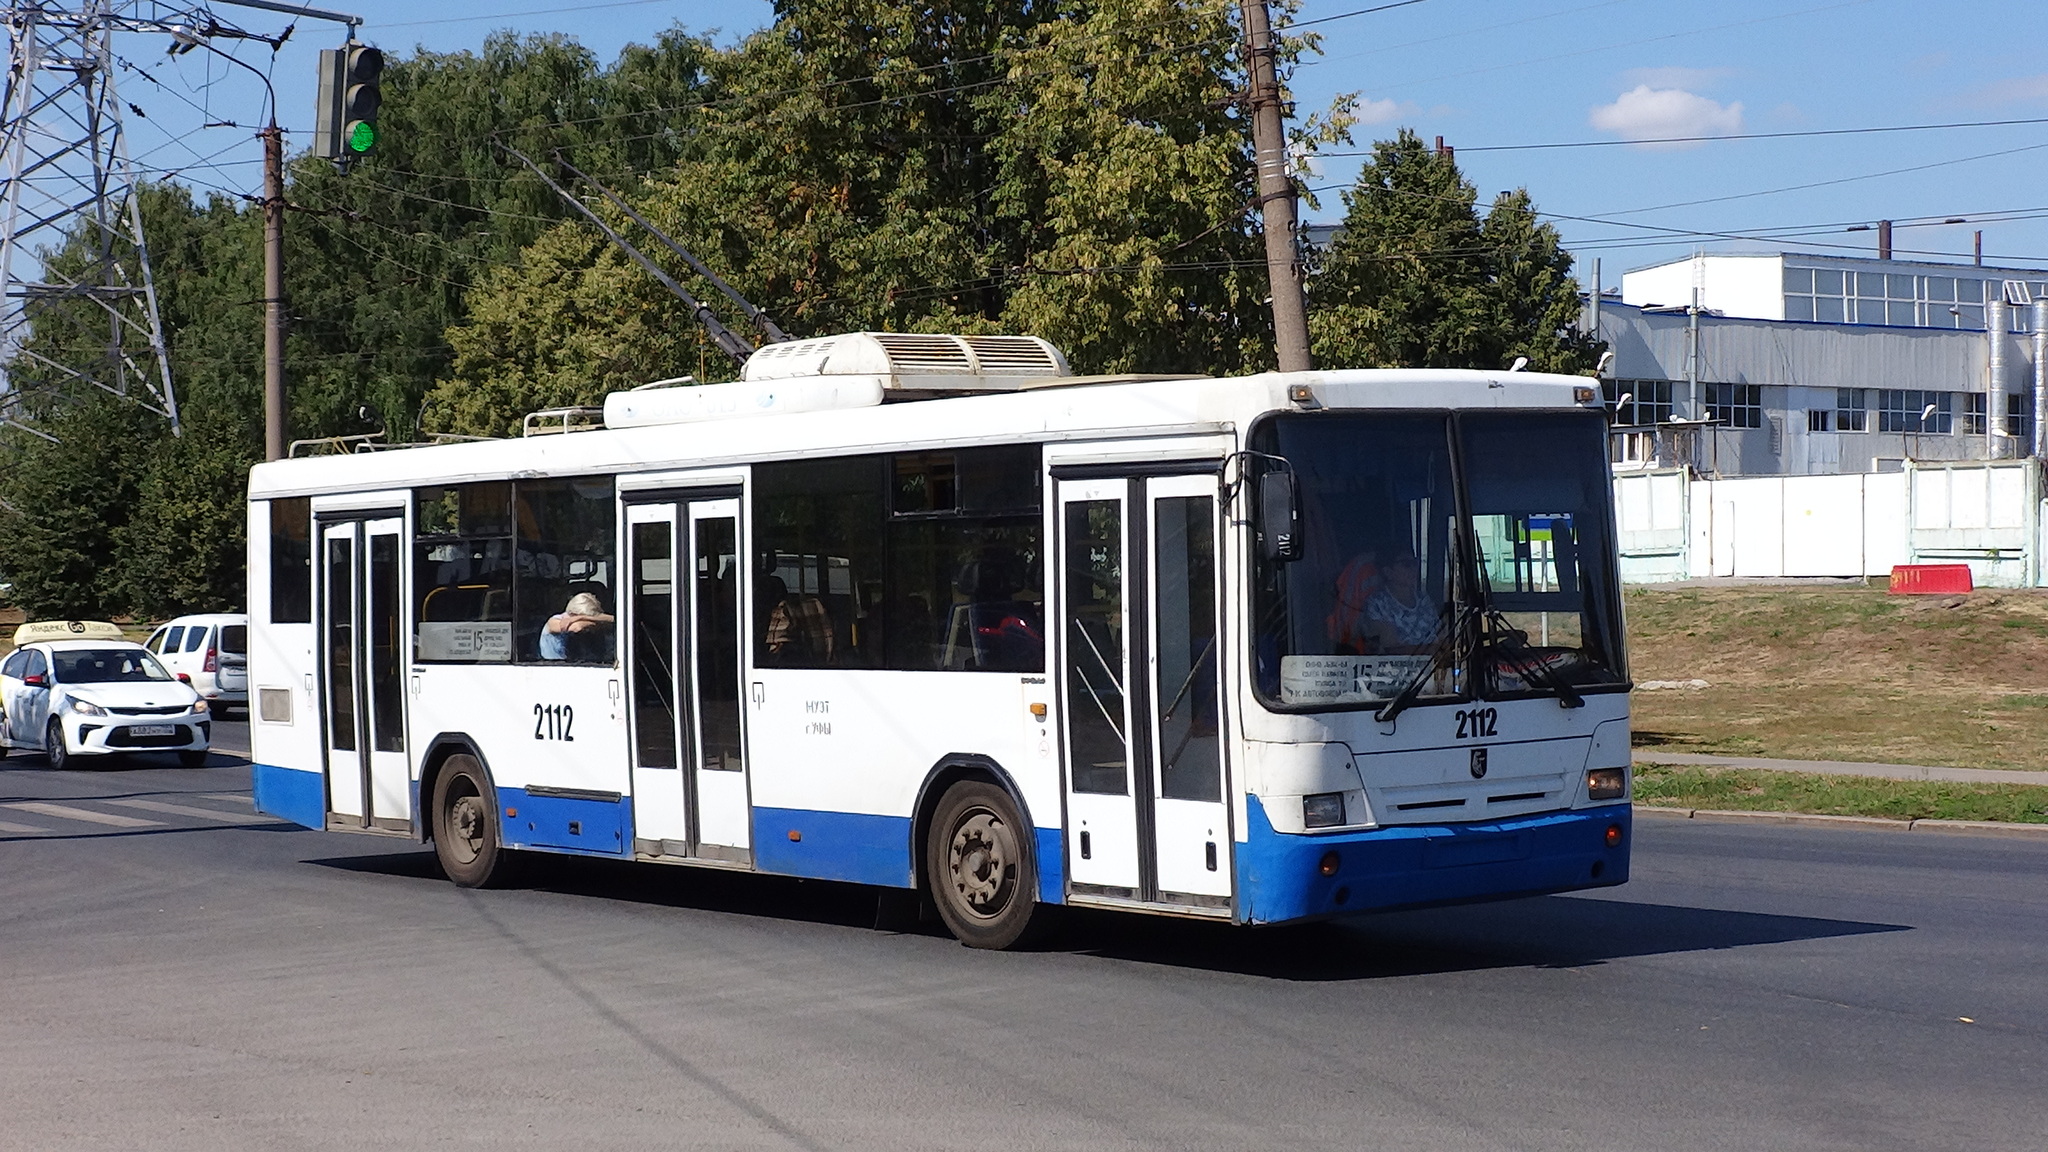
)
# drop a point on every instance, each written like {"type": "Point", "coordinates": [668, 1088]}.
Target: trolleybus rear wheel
{"type": "Point", "coordinates": [978, 864]}
{"type": "Point", "coordinates": [466, 826]}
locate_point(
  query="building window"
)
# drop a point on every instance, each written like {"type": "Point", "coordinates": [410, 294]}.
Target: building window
{"type": "Point", "coordinates": [1636, 403]}
{"type": "Point", "coordinates": [1850, 406]}
{"type": "Point", "coordinates": [1833, 296]}
{"type": "Point", "coordinates": [1914, 410]}
{"type": "Point", "coordinates": [1736, 405]}
{"type": "Point", "coordinates": [2019, 419]}
{"type": "Point", "coordinates": [1820, 420]}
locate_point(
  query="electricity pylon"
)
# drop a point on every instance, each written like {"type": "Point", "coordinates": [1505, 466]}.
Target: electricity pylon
{"type": "Point", "coordinates": [75, 261]}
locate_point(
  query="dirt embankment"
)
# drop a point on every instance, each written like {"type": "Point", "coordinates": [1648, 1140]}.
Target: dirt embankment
{"type": "Point", "coordinates": [1844, 673]}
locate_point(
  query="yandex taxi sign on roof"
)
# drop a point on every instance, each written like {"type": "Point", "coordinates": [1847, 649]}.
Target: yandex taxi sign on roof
{"type": "Point", "coordinates": [37, 630]}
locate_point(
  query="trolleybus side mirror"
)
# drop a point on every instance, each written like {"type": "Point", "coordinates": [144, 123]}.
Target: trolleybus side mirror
{"type": "Point", "coordinates": [1279, 517]}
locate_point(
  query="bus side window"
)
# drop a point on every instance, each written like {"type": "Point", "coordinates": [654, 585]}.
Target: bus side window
{"type": "Point", "coordinates": [462, 573]}
{"type": "Point", "coordinates": [818, 526]}
{"type": "Point", "coordinates": [563, 584]}
{"type": "Point", "coordinates": [291, 561]}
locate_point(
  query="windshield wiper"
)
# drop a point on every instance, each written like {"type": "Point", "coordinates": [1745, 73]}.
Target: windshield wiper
{"type": "Point", "coordinates": [1449, 629]}
{"type": "Point", "coordinates": [1506, 641]}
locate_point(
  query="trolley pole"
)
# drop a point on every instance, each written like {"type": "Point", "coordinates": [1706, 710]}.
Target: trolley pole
{"type": "Point", "coordinates": [1276, 193]}
{"type": "Point", "coordinates": [273, 293]}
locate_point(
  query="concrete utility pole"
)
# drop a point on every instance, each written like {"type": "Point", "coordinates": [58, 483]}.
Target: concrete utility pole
{"type": "Point", "coordinates": [273, 293]}
{"type": "Point", "coordinates": [1276, 193]}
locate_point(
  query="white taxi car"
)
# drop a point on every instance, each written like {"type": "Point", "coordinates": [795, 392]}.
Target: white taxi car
{"type": "Point", "coordinates": [76, 688]}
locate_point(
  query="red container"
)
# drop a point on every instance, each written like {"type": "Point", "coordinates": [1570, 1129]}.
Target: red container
{"type": "Point", "coordinates": [1930, 579]}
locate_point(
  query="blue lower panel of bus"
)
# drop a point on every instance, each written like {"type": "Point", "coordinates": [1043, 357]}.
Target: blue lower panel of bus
{"type": "Point", "coordinates": [1280, 875]}
{"type": "Point", "coordinates": [579, 824]}
{"type": "Point", "coordinates": [863, 849]}
{"type": "Point", "coordinates": [300, 797]}
{"type": "Point", "coordinates": [850, 846]}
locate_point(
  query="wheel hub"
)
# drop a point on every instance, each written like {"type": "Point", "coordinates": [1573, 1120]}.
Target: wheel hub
{"type": "Point", "coordinates": [466, 818]}
{"type": "Point", "coordinates": [982, 863]}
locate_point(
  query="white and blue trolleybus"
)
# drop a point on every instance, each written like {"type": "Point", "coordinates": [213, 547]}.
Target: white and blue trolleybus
{"type": "Point", "coordinates": [930, 612]}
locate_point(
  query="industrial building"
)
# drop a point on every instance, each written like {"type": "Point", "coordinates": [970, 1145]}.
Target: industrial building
{"type": "Point", "coordinates": [1790, 414]}
{"type": "Point", "coordinates": [1796, 364]}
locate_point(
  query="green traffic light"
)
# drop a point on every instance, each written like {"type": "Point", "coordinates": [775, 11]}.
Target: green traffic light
{"type": "Point", "coordinates": [361, 136]}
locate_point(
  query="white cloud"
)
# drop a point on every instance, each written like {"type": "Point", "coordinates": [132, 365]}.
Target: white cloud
{"type": "Point", "coordinates": [1646, 113]}
{"type": "Point", "coordinates": [1675, 77]}
{"type": "Point", "coordinates": [1382, 111]}
{"type": "Point", "coordinates": [2027, 91]}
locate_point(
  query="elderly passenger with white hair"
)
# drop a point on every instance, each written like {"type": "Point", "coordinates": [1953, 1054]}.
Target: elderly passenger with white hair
{"type": "Point", "coordinates": [583, 614]}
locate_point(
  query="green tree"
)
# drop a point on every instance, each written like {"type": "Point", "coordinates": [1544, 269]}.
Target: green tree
{"type": "Point", "coordinates": [1417, 278]}
{"type": "Point", "coordinates": [67, 503]}
{"type": "Point", "coordinates": [1077, 171]}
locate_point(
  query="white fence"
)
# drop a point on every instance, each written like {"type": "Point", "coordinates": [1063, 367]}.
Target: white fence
{"type": "Point", "coordinates": [1990, 516]}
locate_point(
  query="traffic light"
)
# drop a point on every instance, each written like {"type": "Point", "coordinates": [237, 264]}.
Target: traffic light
{"type": "Point", "coordinates": [350, 91]}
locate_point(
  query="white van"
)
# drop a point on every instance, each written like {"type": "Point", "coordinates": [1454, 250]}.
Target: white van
{"type": "Point", "coordinates": [210, 652]}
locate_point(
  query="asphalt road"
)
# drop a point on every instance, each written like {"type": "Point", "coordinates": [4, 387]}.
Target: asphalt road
{"type": "Point", "coordinates": [177, 973]}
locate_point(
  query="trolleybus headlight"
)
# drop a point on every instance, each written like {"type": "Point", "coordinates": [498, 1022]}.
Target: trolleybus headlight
{"type": "Point", "coordinates": [1323, 810]}
{"type": "Point", "coordinates": [1606, 783]}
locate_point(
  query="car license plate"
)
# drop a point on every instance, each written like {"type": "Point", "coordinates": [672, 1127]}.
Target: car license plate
{"type": "Point", "coordinates": [152, 729]}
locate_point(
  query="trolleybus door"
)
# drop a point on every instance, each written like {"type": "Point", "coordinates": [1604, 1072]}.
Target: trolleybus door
{"type": "Point", "coordinates": [362, 652]}
{"type": "Point", "coordinates": [717, 742]}
{"type": "Point", "coordinates": [1139, 658]}
{"type": "Point", "coordinates": [1095, 670]}
{"type": "Point", "coordinates": [1184, 692]}
{"type": "Point", "coordinates": [689, 748]}
{"type": "Point", "coordinates": [660, 799]}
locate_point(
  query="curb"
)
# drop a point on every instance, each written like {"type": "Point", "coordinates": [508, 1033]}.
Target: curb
{"type": "Point", "coordinates": [1866, 823]}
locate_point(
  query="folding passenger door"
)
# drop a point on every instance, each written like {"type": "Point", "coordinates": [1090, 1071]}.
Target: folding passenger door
{"type": "Point", "coordinates": [362, 670]}
{"type": "Point", "coordinates": [1140, 653]}
{"type": "Point", "coordinates": [690, 790]}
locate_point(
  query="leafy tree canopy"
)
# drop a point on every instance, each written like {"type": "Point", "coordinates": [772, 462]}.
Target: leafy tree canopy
{"type": "Point", "coordinates": [1418, 278]}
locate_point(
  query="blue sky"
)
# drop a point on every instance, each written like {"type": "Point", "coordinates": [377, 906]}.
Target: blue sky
{"type": "Point", "coordinates": [1487, 75]}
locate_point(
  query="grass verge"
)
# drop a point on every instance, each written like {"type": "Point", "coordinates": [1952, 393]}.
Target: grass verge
{"type": "Point", "coordinates": [1843, 673]}
{"type": "Point", "coordinates": [1758, 790]}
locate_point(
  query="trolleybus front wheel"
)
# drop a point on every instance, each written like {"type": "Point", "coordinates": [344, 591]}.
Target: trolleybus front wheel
{"type": "Point", "coordinates": [979, 867]}
{"type": "Point", "coordinates": [466, 826]}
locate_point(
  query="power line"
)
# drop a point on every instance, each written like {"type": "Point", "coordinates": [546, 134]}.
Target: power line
{"type": "Point", "coordinates": [1620, 44]}
{"type": "Point", "coordinates": [1837, 180]}
{"type": "Point", "coordinates": [1736, 136]}
{"type": "Point", "coordinates": [528, 12]}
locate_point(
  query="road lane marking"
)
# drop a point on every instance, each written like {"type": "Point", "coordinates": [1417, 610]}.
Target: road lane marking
{"type": "Point", "coordinates": [63, 812]}
{"type": "Point", "coordinates": [230, 797]}
{"type": "Point", "coordinates": [21, 829]}
{"type": "Point", "coordinates": [190, 810]}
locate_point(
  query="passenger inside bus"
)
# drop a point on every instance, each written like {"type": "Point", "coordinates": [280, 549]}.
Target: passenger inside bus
{"type": "Point", "coordinates": [581, 632]}
{"type": "Point", "coordinates": [991, 626]}
{"type": "Point", "coordinates": [1401, 618]}
{"type": "Point", "coordinates": [1357, 583]}
{"type": "Point", "coordinates": [796, 629]}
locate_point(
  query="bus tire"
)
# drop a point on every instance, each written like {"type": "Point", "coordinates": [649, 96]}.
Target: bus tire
{"type": "Point", "coordinates": [466, 826]}
{"type": "Point", "coordinates": [978, 866]}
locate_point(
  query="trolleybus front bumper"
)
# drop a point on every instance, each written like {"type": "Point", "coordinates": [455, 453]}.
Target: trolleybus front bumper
{"type": "Point", "coordinates": [1289, 876]}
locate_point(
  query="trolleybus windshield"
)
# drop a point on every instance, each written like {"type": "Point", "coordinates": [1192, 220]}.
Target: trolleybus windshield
{"type": "Point", "coordinates": [1470, 552]}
